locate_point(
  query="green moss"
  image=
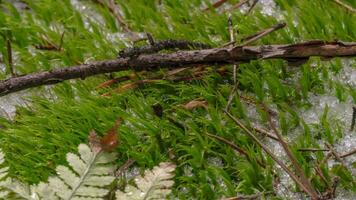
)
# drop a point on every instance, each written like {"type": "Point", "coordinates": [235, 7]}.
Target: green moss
{"type": "Point", "coordinates": [36, 141]}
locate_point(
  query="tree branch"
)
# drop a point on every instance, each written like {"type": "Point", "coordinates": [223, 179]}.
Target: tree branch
{"type": "Point", "coordinates": [215, 56]}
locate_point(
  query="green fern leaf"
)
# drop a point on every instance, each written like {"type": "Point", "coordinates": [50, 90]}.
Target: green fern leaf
{"type": "Point", "coordinates": [155, 184]}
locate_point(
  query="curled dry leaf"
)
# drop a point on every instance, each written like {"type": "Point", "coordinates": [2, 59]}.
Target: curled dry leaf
{"type": "Point", "coordinates": [109, 141]}
{"type": "Point", "coordinates": [196, 104]}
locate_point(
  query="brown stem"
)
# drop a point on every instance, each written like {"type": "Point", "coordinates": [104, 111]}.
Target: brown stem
{"type": "Point", "coordinates": [344, 5]}
{"type": "Point", "coordinates": [312, 192]}
{"type": "Point", "coordinates": [124, 167]}
{"type": "Point", "coordinates": [353, 120]}
{"type": "Point", "coordinates": [237, 5]}
{"type": "Point", "coordinates": [274, 157]}
{"type": "Point", "coordinates": [110, 4]}
{"type": "Point", "coordinates": [215, 56]}
{"type": "Point", "coordinates": [312, 149]}
{"type": "Point", "coordinates": [216, 4]}
{"type": "Point", "coordinates": [230, 144]}
{"type": "Point", "coordinates": [252, 6]}
{"type": "Point", "coordinates": [349, 153]}
{"type": "Point", "coordinates": [9, 58]}
{"type": "Point", "coordinates": [249, 39]}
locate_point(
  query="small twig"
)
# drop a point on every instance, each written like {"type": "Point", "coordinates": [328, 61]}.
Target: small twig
{"type": "Point", "coordinates": [61, 41]}
{"type": "Point", "coordinates": [250, 101]}
{"type": "Point", "coordinates": [274, 157]}
{"type": "Point", "coordinates": [321, 175]}
{"type": "Point", "coordinates": [349, 153]}
{"type": "Point", "coordinates": [266, 133]}
{"type": "Point", "coordinates": [344, 5]}
{"type": "Point", "coordinates": [110, 4]}
{"type": "Point", "coordinates": [312, 192]}
{"type": "Point", "coordinates": [230, 144]}
{"type": "Point", "coordinates": [124, 167]}
{"type": "Point", "coordinates": [231, 97]}
{"type": "Point", "coordinates": [331, 192]}
{"type": "Point", "coordinates": [50, 46]}
{"type": "Point", "coordinates": [237, 5]}
{"type": "Point", "coordinates": [312, 149]}
{"type": "Point", "coordinates": [335, 154]}
{"type": "Point", "coordinates": [353, 120]}
{"type": "Point", "coordinates": [9, 57]}
{"type": "Point", "coordinates": [216, 4]}
{"type": "Point", "coordinates": [252, 6]}
{"type": "Point", "coordinates": [150, 39]}
{"type": "Point", "coordinates": [234, 90]}
{"type": "Point", "coordinates": [249, 39]}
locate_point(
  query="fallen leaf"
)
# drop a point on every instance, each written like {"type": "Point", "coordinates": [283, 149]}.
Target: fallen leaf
{"type": "Point", "coordinates": [109, 141]}
{"type": "Point", "coordinates": [196, 104]}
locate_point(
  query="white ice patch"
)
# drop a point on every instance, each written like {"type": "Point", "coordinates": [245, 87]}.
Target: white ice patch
{"type": "Point", "coordinates": [9, 102]}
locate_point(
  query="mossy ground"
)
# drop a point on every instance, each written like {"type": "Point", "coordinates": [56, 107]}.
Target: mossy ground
{"type": "Point", "coordinates": [40, 135]}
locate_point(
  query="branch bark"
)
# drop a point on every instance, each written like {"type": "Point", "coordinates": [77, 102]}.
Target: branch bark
{"type": "Point", "coordinates": [214, 56]}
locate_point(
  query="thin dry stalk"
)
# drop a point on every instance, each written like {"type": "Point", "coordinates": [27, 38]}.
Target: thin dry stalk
{"type": "Point", "coordinates": [252, 6]}
{"type": "Point", "coordinates": [124, 167]}
{"type": "Point", "coordinates": [250, 39]}
{"type": "Point", "coordinates": [237, 5]}
{"type": "Point", "coordinates": [274, 157]}
{"type": "Point", "coordinates": [230, 144]}
{"type": "Point", "coordinates": [114, 9]}
{"type": "Point", "coordinates": [335, 154]}
{"type": "Point", "coordinates": [344, 5]}
{"type": "Point", "coordinates": [234, 90]}
{"type": "Point", "coordinates": [266, 133]}
{"type": "Point", "coordinates": [312, 149]}
{"type": "Point", "coordinates": [312, 192]}
{"type": "Point", "coordinates": [349, 153]}
{"type": "Point", "coordinates": [216, 4]}
{"type": "Point", "coordinates": [353, 120]}
{"type": "Point", "coordinates": [9, 57]}
{"type": "Point", "coordinates": [61, 42]}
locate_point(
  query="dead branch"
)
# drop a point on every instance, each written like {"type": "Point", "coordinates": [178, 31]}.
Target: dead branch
{"type": "Point", "coordinates": [215, 56]}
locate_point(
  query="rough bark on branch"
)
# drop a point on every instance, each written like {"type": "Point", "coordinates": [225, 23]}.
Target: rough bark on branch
{"type": "Point", "coordinates": [214, 56]}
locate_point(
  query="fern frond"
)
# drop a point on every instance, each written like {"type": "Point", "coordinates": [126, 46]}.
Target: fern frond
{"type": "Point", "coordinates": [155, 184]}
{"type": "Point", "coordinates": [86, 178]}
{"type": "Point", "coordinates": [11, 186]}
{"type": "Point", "coordinates": [3, 174]}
